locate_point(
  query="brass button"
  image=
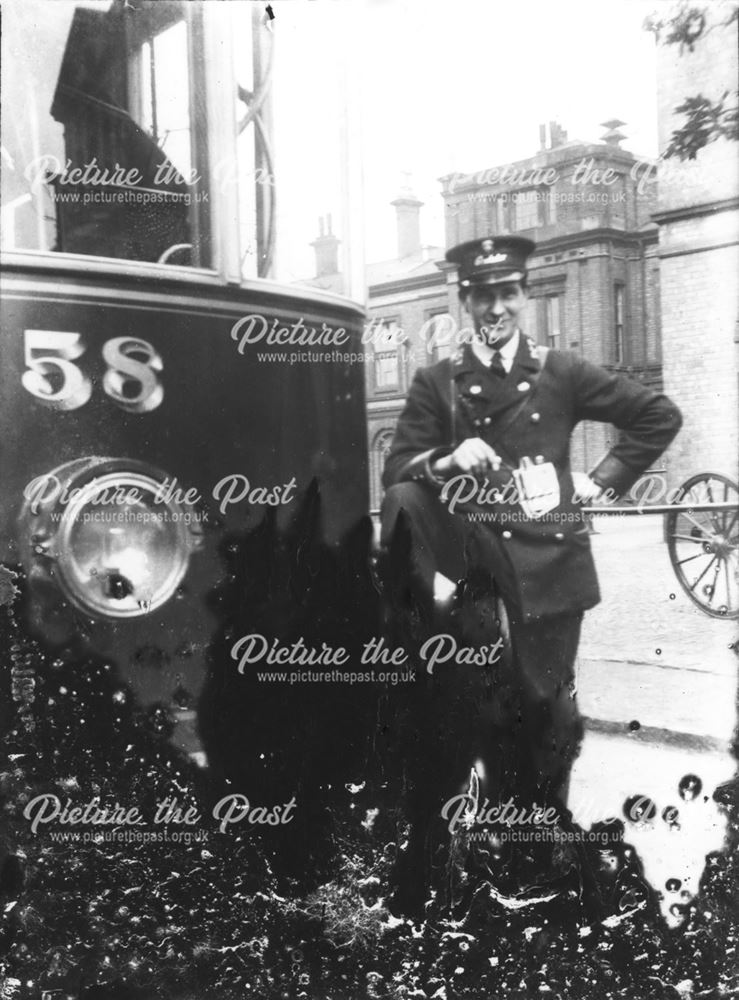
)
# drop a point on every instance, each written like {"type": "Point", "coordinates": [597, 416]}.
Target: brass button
{"type": "Point", "coordinates": [559, 536]}
{"type": "Point", "coordinates": [487, 421]}
{"type": "Point", "coordinates": [507, 534]}
{"type": "Point", "coordinates": [475, 389]}
{"type": "Point", "coordinates": [478, 423]}
{"type": "Point", "coordinates": [535, 418]}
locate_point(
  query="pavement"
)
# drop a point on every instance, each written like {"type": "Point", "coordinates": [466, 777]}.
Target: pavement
{"type": "Point", "coordinates": [645, 616]}
{"type": "Point", "coordinates": [648, 653]}
{"type": "Point", "coordinates": [657, 684]}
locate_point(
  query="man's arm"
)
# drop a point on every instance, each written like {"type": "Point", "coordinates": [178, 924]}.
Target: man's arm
{"type": "Point", "coordinates": [418, 451]}
{"type": "Point", "coordinates": [423, 434]}
{"type": "Point", "coordinates": [648, 422]}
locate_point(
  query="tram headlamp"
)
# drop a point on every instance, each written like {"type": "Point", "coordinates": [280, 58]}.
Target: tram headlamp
{"type": "Point", "coordinates": [105, 531]}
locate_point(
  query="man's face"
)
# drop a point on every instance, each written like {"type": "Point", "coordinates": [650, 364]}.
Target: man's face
{"type": "Point", "coordinates": [494, 310]}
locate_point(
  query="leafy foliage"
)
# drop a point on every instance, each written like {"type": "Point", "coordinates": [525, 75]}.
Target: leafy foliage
{"type": "Point", "coordinates": [707, 120]}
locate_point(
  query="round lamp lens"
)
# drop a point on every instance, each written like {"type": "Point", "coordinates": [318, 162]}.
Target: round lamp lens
{"type": "Point", "coordinates": [122, 552]}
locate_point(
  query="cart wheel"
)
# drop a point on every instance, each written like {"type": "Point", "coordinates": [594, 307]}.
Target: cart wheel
{"type": "Point", "coordinates": [704, 545]}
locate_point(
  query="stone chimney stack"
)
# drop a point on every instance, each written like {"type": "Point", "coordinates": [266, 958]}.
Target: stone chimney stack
{"type": "Point", "coordinates": [551, 135]}
{"type": "Point", "coordinates": [327, 249]}
{"type": "Point", "coordinates": [559, 135]}
{"type": "Point", "coordinates": [408, 214]}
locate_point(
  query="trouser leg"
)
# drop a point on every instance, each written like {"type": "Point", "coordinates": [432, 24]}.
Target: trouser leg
{"type": "Point", "coordinates": [437, 720]}
{"type": "Point", "coordinates": [544, 651]}
{"type": "Point", "coordinates": [441, 542]}
{"type": "Point", "coordinates": [438, 537]}
{"type": "Point", "coordinates": [449, 722]}
{"type": "Point", "coordinates": [544, 656]}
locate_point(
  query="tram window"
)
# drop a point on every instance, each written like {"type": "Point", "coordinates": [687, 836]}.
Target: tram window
{"type": "Point", "coordinates": [182, 132]}
{"type": "Point", "coordinates": [161, 87]}
{"type": "Point", "coordinates": [101, 152]}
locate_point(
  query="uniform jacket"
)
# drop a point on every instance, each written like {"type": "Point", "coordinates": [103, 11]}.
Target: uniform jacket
{"type": "Point", "coordinates": [532, 412]}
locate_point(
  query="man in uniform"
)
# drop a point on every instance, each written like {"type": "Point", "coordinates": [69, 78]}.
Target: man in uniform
{"type": "Point", "coordinates": [479, 472]}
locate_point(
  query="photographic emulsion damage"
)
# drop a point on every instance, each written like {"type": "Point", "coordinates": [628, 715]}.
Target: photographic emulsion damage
{"type": "Point", "coordinates": [369, 518]}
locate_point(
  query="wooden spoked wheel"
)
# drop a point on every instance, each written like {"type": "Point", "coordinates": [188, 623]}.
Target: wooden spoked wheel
{"type": "Point", "coordinates": [704, 544]}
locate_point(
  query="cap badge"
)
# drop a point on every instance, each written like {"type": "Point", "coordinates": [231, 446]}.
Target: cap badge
{"type": "Point", "coordinates": [490, 258]}
{"type": "Point", "coordinates": [475, 389]}
{"type": "Point", "coordinates": [523, 386]}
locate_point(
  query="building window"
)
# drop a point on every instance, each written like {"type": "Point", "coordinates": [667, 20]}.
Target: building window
{"type": "Point", "coordinates": [437, 339]}
{"type": "Point", "coordinates": [619, 324]}
{"type": "Point", "coordinates": [550, 206]}
{"type": "Point", "coordinates": [502, 216]}
{"type": "Point", "coordinates": [618, 203]}
{"type": "Point", "coordinates": [527, 209]}
{"type": "Point", "coordinates": [552, 317]}
{"type": "Point", "coordinates": [386, 343]}
{"type": "Point", "coordinates": [491, 214]}
{"type": "Point", "coordinates": [386, 371]}
{"type": "Point", "coordinates": [531, 319]}
{"type": "Point", "coordinates": [544, 314]}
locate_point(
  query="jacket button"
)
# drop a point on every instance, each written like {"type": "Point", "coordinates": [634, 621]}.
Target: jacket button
{"type": "Point", "coordinates": [535, 418]}
{"type": "Point", "coordinates": [559, 536]}
{"type": "Point", "coordinates": [478, 423]}
{"type": "Point", "coordinates": [487, 421]}
{"type": "Point", "coordinates": [507, 534]}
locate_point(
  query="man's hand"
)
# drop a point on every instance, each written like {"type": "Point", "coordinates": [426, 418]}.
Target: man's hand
{"type": "Point", "coordinates": [473, 455]}
{"type": "Point", "coordinates": [585, 489]}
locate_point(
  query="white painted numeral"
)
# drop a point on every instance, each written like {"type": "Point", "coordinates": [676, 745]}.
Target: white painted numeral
{"type": "Point", "coordinates": [130, 380]}
{"type": "Point", "coordinates": [132, 384]}
{"type": "Point", "coordinates": [52, 377]}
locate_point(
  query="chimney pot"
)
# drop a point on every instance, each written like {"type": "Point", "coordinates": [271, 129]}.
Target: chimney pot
{"type": "Point", "coordinates": [326, 246]}
{"type": "Point", "coordinates": [408, 212]}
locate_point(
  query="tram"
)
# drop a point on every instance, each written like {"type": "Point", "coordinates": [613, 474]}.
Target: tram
{"type": "Point", "coordinates": [142, 426]}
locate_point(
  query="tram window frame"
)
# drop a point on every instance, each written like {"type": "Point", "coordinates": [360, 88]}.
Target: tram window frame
{"type": "Point", "coordinates": [79, 113]}
{"type": "Point", "coordinates": [143, 31]}
{"type": "Point", "coordinates": [163, 18]}
{"type": "Point", "coordinates": [234, 212]}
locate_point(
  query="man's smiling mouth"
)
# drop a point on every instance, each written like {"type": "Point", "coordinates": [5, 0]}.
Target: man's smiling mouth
{"type": "Point", "coordinates": [490, 331]}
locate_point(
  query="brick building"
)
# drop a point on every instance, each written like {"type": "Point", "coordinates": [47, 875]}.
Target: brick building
{"type": "Point", "coordinates": [594, 278]}
{"type": "Point", "coordinates": [405, 294]}
{"type": "Point", "coordinates": [698, 217]}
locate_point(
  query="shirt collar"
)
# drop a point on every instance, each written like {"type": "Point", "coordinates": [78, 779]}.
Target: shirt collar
{"type": "Point", "coordinates": [464, 361]}
{"type": "Point", "coordinates": [484, 353]}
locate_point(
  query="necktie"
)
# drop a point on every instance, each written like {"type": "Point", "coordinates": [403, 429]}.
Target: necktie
{"type": "Point", "coordinates": [496, 365]}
